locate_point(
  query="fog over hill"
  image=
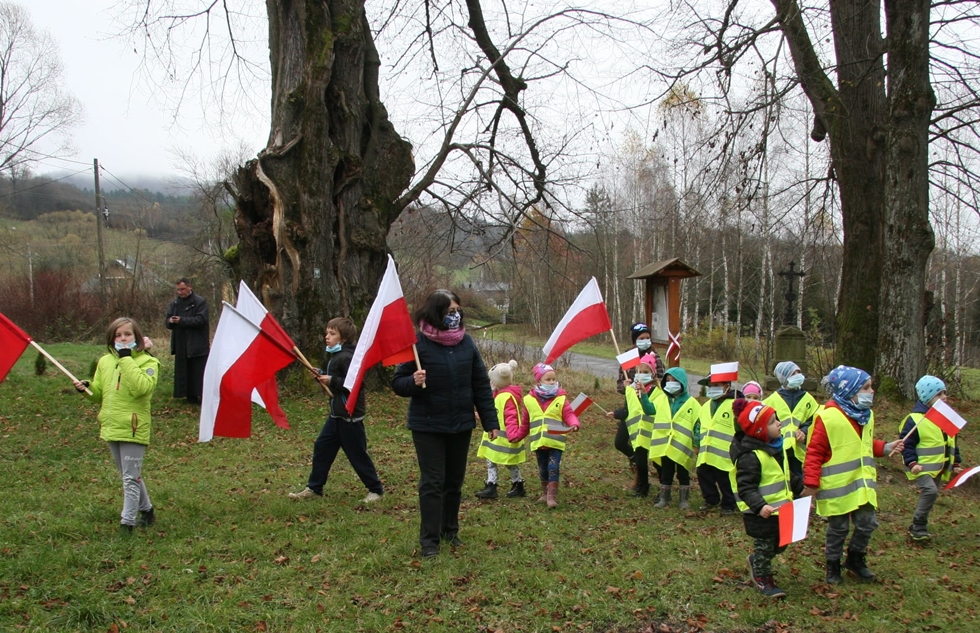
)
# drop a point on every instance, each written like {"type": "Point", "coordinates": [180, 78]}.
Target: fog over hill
{"type": "Point", "coordinates": [170, 185]}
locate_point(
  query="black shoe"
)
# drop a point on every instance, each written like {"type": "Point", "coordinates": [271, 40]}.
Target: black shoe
{"type": "Point", "coordinates": [516, 489]}
{"type": "Point", "coordinates": [430, 551]}
{"type": "Point", "coordinates": [489, 491]}
{"type": "Point", "coordinates": [856, 563]}
{"type": "Point", "coordinates": [708, 507]}
{"type": "Point", "coordinates": [192, 400]}
{"type": "Point", "coordinates": [125, 530]}
{"type": "Point", "coordinates": [919, 532]}
{"type": "Point", "coordinates": [728, 511]}
{"type": "Point", "coordinates": [641, 490]}
{"type": "Point", "coordinates": [833, 572]}
{"type": "Point", "coordinates": [768, 587]}
{"type": "Point", "coordinates": [454, 541]}
{"type": "Point", "coordinates": [146, 519]}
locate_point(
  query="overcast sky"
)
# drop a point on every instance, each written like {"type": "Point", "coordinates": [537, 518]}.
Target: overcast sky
{"type": "Point", "coordinates": [129, 131]}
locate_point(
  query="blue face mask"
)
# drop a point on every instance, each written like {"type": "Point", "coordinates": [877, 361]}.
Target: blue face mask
{"type": "Point", "coordinates": [864, 400]}
{"type": "Point", "coordinates": [333, 349]}
{"type": "Point", "coordinates": [130, 345]}
{"type": "Point", "coordinates": [548, 390]}
{"type": "Point", "coordinates": [713, 393]}
{"type": "Point", "coordinates": [795, 381]}
{"type": "Point", "coordinates": [673, 387]}
{"type": "Point", "coordinates": [452, 320]}
{"type": "Point", "coordinates": [644, 344]}
{"type": "Point", "coordinates": [644, 379]}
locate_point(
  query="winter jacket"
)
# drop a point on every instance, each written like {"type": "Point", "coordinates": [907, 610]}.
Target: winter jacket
{"type": "Point", "coordinates": [648, 408]}
{"type": "Point", "coordinates": [748, 474]}
{"type": "Point", "coordinates": [909, 455]}
{"type": "Point", "coordinates": [337, 368]}
{"type": "Point", "coordinates": [456, 382]}
{"type": "Point", "coordinates": [192, 331]}
{"type": "Point", "coordinates": [818, 448]}
{"type": "Point", "coordinates": [517, 423]}
{"type": "Point", "coordinates": [567, 412]}
{"type": "Point", "coordinates": [124, 387]}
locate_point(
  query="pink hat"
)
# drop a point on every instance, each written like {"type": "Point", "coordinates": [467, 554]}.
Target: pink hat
{"type": "Point", "coordinates": [752, 388]}
{"type": "Point", "coordinates": [650, 361]}
{"type": "Point", "coordinates": [540, 370]}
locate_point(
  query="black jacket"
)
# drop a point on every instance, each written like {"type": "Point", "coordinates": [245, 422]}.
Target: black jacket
{"type": "Point", "coordinates": [456, 383]}
{"type": "Point", "coordinates": [337, 368]}
{"type": "Point", "coordinates": [748, 474]}
{"type": "Point", "coordinates": [192, 332]}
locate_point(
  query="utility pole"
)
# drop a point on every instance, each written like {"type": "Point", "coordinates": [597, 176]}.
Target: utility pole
{"type": "Point", "coordinates": [98, 225]}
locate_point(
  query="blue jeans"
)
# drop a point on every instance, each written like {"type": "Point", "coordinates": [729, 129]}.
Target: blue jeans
{"type": "Point", "coordinates": [549, 463]}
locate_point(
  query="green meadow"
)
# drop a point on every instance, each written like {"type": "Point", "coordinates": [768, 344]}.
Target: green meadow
{"type": "Point", "coordinates": [230, 552]}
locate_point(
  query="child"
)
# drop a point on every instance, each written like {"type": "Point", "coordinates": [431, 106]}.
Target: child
{"type": "Point", "coordinates": [763, 482]}
{"type": "Point", "coordinates": [505, 450]}
{"type": "Point", "coordinates": [123, 385]}
{"type": "Point", "coordinates": [930, 455]}
{"type": "Point", "coordinates": [840, 471]}
{"type": "Point", "coordinates": [796, 409]}
{"type": "Point", "coordinates": [341, 431]}
{"type": "Point", "coordinates": [717, 428]}
{"type": "Point", "coordinates": [675, 447]}
{"type": "Point", "coordinates": [752, 391]}
{"type": "Point", "coordinates": [548, 407]}
{"type": "Point", "coordinates": [640, 334]}
{"type": "Point", "coordinates": [636, 417]}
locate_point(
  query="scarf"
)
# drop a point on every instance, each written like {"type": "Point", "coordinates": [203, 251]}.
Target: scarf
{"type": "Point", "coordinates": [449, 338]}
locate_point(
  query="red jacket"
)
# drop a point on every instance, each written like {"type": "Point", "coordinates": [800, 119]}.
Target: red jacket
{"type": "Point", "coordinates": [516, 422]}
{"type": "Point", "coordinates": [818, 450]}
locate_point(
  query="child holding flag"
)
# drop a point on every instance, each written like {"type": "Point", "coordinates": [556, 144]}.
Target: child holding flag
{"type": "Point", "coordinates": [551, 418]}
{"type": "Point", "coordinates": [839, 470]}
{"type": "Point", "coordinates": [636, 418]}
{"type": "Point", "coordinates": [931, 456]}
{"type": "Point", "coordinates": [123, 385]}
{"type": "Point", "coordinates": [507, 450]}
{"type": "Point", "coordinates": [717, 432]}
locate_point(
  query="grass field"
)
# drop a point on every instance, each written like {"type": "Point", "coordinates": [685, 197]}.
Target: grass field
{"type": "Point", "coordinates": [230, 552]}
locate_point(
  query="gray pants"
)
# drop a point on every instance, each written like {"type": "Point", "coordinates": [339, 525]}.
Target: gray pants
{"type": "Point", "coordinates": [129, 461]}
{"type": "Point", "coordinates": [928, 493]}
{"type": "Point", "coordinates": [515, 473]}
{"type": "Point", "coordinates": [865, 523]}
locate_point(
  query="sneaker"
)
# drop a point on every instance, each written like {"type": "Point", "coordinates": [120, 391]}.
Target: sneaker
{"type": "Point", "coordinates": [146, 519]}
{"type": "Point", "coordinates": [370, 498]}
{"type": "Point", "coordinates": [768, 587]}
{"type": "Point", "coordinates": [305, 494]}
{"type": "Point", "coordinates": [919, 533]}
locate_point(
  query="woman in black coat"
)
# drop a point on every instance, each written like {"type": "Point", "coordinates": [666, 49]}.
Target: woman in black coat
{"type": "Point", "coordinates": [452, 383]}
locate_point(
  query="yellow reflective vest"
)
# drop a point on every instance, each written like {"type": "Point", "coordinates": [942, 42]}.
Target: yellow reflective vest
{"type": "Point", "coordinates": [679, 444]}
{"type": "Point", "coordinates": [717, 433]}
{"type": "Point", "coordinates": [539, 435]}
{"type": "Point", "coordinates": [935, 451]}
{"type": "Point", "coordinates": [639, 425]}
{"type": "Point", "coordinates": [790, 421]}
{"type": "Point", "coordinates": [501, 450]}
{"type": "Point", "coordinates": [847, 480]}
{"type": "Point", "coordinates": [774, 484]}
{"type": "Point", "coordinates": [660, 432]}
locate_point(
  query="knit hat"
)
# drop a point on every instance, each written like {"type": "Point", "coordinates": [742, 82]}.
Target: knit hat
{"type": "Point", "coordinates": [753, 417]}
{"type": "Point", "coordinates": [502, 374]}
{"type": "Point", "coordinates": [752, 388]}
{"type": "Point", "coordinates": [637, 329]}
{"type": "Point", "coordinates": [846, 381]}
{"type": "Point", "coordinates": [650, 361]}
{"type": "Point", "coordinates": [927, 388]}
{"type": "Point", "coordinates": [540, 370]}
{"type": "Point", "coordinates": [784, 370]}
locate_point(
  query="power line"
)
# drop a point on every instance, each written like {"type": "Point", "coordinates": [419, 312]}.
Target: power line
{"type": "Point", "coordinates": [7, 195]}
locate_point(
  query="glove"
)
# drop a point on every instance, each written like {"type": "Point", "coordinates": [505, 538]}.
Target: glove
{"type": "Point", "coordinates": [124, 352]}
{"type": "Point", "coordinates": [85, 385]}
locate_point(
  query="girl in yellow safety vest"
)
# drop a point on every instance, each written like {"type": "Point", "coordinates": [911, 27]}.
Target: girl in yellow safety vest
{"type": "Point", "coordinates": [796, 408]}
{"type": "Point", "coordinates": [551, 418]}
{"type": "Point", "coordinates": [508, 449]}
{"type": "Point", "coordinates": [636, 416]}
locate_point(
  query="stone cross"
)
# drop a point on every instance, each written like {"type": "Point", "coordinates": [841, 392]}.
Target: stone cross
{"type": "Point", "coordinates": [790, 275]}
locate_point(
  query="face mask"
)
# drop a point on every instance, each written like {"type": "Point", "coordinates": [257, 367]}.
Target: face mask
{"type": "Point", "coordinates": [673, 388]}
{"type": "Point", "coordinates": [795, 381]}
{"type": "Point", "coordinates": [453, 320]}
{"type": "Point", "coordinates": [644, 344]}
{"type": "Point", "coordinates": [131, 345]}
{"type": "Point", "coordinates": [548, 390]}
{"type": "Point", "coordinates": [333, 349]}
{"type": "Point", "coordinates": [864, 400]}
{"type": "Point", "coordinates": [714, 393]}
{"type": "Point", "coordinates": [644, 379]}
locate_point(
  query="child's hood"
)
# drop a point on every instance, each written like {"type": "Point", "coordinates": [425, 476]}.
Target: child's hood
{"type": "Point", "coordinates": [745, 444]}
{"type": "Point", "coordinates": [680, 376]}
{"type": "Point", "coordinates": [514, 390]}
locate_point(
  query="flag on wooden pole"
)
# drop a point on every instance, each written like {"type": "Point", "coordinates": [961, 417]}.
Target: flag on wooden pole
{"type": "Point", "coordinates": [943, 416]}
{"type": "Point", "coordinates": [586, 317]}
{"type": "Point", "coordinates": [629, 359]}
{"type": "Point", "coordinates": [13, 342]}
{"type": "Point", "coordinates": [265, 395]}
{"type": "Point", "coordinates": [581, 403]}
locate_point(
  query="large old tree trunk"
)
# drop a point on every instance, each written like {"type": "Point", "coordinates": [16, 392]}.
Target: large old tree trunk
{"type": "Point", "coordinates": [313, 210]}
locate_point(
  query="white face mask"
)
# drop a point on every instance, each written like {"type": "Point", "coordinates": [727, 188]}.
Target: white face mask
{"type": "Point", "coordinates": [673, 388]}
{"type": "Point", "coordinates": [644, 379]}
{"type": "Point", "coordinates": [714, 393]}
{"type": "Point", "coordinates": [864, 400]}
{"type": "Point", "coordinates": [795, 381]}
{"type": "Point", "coordinates": [644, 344]}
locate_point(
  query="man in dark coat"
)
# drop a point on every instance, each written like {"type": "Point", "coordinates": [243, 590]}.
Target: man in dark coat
{"type": "Point", "coordinates": [187, 320]}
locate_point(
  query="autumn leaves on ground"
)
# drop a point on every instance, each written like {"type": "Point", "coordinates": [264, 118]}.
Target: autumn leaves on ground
{"type": "Point", "coordinates": [230, 552]}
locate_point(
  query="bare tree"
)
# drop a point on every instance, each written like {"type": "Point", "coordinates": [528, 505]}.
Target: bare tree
{"type": "Point", "coordinates": [36, 114]}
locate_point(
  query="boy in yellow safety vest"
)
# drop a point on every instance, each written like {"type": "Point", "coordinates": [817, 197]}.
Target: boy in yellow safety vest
{"type": "Point", "coordinates": [714, 435]}
{"type": "Point", "coordinates": [930, 455]}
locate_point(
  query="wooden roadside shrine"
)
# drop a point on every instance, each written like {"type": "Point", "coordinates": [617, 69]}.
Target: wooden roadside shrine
{"type": "Point", "coordinates": [662, 303]}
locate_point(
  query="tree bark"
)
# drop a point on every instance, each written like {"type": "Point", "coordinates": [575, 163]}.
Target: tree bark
{"type": "Point", "coordinates": [313, 210]}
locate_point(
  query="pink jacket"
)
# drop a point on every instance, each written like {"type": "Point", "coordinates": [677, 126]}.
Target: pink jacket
{"type": "Point", "coordinates": [516, 423]}
{"type": "Point", "coordinates": [567, 413]}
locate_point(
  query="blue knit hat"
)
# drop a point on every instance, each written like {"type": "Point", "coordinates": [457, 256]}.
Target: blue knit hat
{"type": "Point", "coordinates": [846, 381]}
{"type": "Point", "coordinates": [784, 370]}
{"type": "Point", "coordinates": [927, 388]}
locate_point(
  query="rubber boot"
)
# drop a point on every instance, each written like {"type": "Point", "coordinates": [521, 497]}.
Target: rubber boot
{"type": "Point", "coordinates": [664, 497]}
{"type": "Point", "coordinates": [856, 563]}
{"type": "Point", "coordinates": [544, 492]}
{"type": "Point", "coordinates": [489, 491]}
{"type": "Point", "coordinates": [833, 572]}
{"type": "Point", "coordinates": [516, 489]}
{"type": "Point", "coordinates": [552, 493]}
{"type": "Point", "coordinates": [685, 493]}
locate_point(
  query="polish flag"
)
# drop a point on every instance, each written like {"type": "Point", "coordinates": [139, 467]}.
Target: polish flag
{"type": "Point", "coordinates": [580, 404]}
{"type": "Point", "coordinates": [629, 359]}
{"type": "Point", "coordinates": [724, 372]}
{"type": "Point", "coordinates": [586, 317]}
{"type": "Point", "coordinates": [943, 416]}
{"type": "Point", "coordinates": [265, 395]}
{"type": "Point", "coordinates": [960, 479]}
{"type": "Point", "coordinates": [388, 333]}
{"type": "Point", "coordinates": [243, 356]}
{"type": "Point", "coordinates": [557, 427]}
{"type": "Point", "coordinates": [13, 342]}
{"type": "Point", "coordinates": [794, 520]}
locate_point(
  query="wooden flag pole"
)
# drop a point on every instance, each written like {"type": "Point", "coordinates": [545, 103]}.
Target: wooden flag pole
{"type": "Point", "coordinates": [911, 431]}
{"type": "Point", "coordinates": [58, 365]}
{"type": "Point", "coordinates": [418, 363]}
{"type": "Point", "coordinates": [306, 363]}
{"type": "Point", "coordinates": [613, 332]}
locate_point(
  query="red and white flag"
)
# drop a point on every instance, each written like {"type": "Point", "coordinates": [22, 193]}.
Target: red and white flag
{"type": "Point", "coordinates": [943, 416]}
{"type": "Point", "coordinates": [960, 479]}
{"type": "Point", "coordinates": [13, 342]}
{"type": "Point", "coordinates": [586, 317]}
{"type": "Point", "coordinates": [243, 356]}
{"type": "Point", "coordinates": [387, 336]}
{"type": "Point", "coordinates": [724, 372]}
{"type": "Point", "coordinates": [674, 348]}
{"type": "Point", "coordinates": [794, 520]}
{"type": "Point", "coordinates": [265, 395]}
{"type": "Point", "coordinates": [580, 404]}
{"type": "Point", "coordinates": [629, 359]}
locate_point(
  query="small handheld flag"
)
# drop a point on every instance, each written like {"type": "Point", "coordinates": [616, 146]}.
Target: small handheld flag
{"type": "Point", "coordinates": [629, 359]}
{"type": "Point", "coordinates": [943, 416]}
{"type": "Point", "coordinates": [581, 403]}
{"type": "Point", "coordinates": [794, 520]}
{"type": "Point", "coordinates": [724, 372]}
{"type": "Point", "coordinates": [960, 479]}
